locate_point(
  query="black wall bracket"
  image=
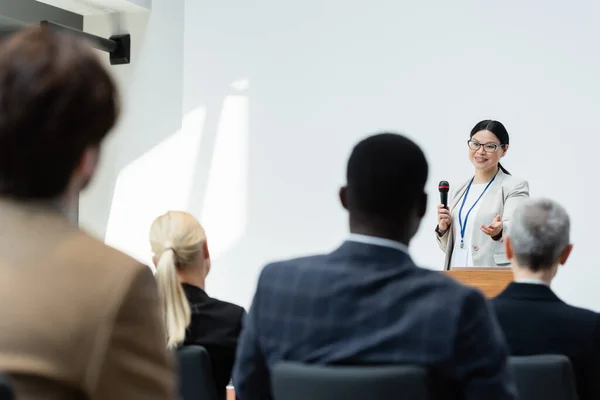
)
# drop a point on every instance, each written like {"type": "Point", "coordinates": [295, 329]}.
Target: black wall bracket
{"type": "Point", "coordinates": [118, 46]}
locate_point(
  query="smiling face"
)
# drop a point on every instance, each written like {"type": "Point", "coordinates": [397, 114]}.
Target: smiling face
{"type": "Point", "coordinates": [489, 153]}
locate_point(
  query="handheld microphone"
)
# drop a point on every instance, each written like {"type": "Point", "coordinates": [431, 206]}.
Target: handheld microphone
{"type": "Point", "coordinates": [444, 188]}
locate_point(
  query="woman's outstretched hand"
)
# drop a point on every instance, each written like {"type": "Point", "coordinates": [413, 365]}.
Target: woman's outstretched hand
{"type": "Point", "coordinates": [494, 228]}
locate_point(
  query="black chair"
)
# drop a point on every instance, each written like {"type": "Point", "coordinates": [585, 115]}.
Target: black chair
{"type": "Point", "coordinates": [291, 381]}
{"type": "Point", "coordinates": [544, 377]}
{"type": "Point", "coordinates": [6, 390]}
{"type": "Point", "coordinates": [196, 380]}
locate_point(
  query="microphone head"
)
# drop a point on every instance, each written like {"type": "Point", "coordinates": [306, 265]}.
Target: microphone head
{"type": "Point", "coordinates": [444, 187]}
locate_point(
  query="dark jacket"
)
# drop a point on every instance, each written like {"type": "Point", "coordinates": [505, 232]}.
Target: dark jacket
{"type": "Point", "coordinates": [216, 325]}
{"type": "Point", "coordinates": [536, 321]}
{"type": "Point", "coordinates": [370, 304]}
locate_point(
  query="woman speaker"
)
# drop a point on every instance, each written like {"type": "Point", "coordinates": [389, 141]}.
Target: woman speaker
{"type": "Point", "coordinates": [472, 229]}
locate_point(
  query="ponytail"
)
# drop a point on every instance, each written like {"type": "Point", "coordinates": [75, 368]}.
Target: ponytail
{"type": "Point", "coordinates": [175, 307]}
{"type": "Point", "coordinates": [503, 169]}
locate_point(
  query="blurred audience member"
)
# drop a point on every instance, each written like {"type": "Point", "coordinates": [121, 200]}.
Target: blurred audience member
{"type": "Point", "coordinates": [367, 302]}
{"type": "Point", "coordinates": [70, 324]}
{"type": "Point", "coordinates": [191, 316]}
{"type": "Point", "coordinates": [534, 319]}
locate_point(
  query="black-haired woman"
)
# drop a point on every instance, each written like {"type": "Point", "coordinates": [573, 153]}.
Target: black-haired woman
{"type": "Point", "coordinates": [471, 230]}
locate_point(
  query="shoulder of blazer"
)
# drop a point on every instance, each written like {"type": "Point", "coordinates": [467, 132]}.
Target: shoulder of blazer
{"type": "Point", "coordinates": [104, 266]}
{"type": "Point", "coordinates": [457, 194]}
{"type": "Point", "coordinates": [111, 257]}
{"type": "Point", "coordinates": [512, 183]}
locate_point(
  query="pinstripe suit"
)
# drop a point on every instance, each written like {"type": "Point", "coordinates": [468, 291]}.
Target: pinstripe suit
{"type": "Point", "coordinates": [368, 303]}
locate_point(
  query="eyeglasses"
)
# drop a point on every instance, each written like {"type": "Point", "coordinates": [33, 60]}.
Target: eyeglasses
{"type": "Point", "coordinates": [488, 147]}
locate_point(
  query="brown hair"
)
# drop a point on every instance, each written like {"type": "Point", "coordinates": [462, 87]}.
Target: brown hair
{"type": "Point", "coordinates": [56, 100]}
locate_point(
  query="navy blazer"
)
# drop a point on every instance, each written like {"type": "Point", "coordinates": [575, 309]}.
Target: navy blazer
{"type": "Point", "coordinates": [370, 304]}
{"type": "Point", "coordinates": [536, 321]}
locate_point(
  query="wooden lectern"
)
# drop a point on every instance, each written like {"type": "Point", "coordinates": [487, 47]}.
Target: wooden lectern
{"type": "Point", "coordinates": [491, 281]}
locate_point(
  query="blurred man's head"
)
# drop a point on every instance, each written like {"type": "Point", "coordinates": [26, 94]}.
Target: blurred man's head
{"type": "Point", "coordinates": [385, 191]}
{"type": "Point", "coordinates": [538, 239]}
{"type": "Point", "coordinates": [57, 103]}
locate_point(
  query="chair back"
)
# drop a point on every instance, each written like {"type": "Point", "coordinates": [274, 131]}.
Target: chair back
{"type": "Point", "coordinates": [196, 380]}
{"type": "Point", "coordinates": [544, 377]}
{"type": "Point", "coordinates": [6, 389]}
{"type": "Point", "coordinates": [292, 381]}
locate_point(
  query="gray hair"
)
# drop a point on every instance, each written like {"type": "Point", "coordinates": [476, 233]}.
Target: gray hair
{"type": "Point", "coordinates": [539, 233]}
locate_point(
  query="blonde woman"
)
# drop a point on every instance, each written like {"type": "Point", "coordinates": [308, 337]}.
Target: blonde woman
{"type": "Point", "coordinates": [191, 317]}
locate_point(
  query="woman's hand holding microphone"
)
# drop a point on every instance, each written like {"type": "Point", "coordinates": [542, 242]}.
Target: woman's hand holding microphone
{"type": "Point", "coordinates": [444, 219]}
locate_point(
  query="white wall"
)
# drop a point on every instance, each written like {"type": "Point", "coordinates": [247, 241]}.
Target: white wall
{"type": "Point", "coordinates": [152, 88]}
{"type": "Point", "coordinates": [311, 78]}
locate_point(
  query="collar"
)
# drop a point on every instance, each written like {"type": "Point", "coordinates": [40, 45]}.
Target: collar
{"type": "Point", "coordinates": [531, 281]}
{"type": "Point", "coordinates": [377, 241]}
{"type": "Point", "coordinates": [194, 292]}
{"type": "Point", "coordinates": [528, 291]}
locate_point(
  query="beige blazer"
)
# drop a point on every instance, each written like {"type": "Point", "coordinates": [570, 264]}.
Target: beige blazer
{"type": "Point", "coordinates": [78, 319]}
{"type": "Point", "coordinates": [501, 198]}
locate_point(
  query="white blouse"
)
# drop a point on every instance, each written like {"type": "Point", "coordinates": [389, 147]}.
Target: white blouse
{"type": "Point", "coordinates": [463, 257]}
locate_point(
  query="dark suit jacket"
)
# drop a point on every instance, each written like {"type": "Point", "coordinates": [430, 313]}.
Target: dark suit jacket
{"type": "Point", "coordinates": [536, 321]}
{"type": "Point", "coordinates": [216, 325]}
{"type": "Point", "coordinates": [370, 304]}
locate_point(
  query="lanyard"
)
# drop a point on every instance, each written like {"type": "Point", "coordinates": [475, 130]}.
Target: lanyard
{"type": "Point", "coordinates": [463, 226]}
